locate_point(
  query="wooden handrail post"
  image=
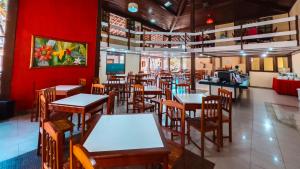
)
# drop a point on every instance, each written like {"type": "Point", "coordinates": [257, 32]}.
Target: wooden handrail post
{"type": "Point", "coordinates": [297, 30]}
{"type": "Point", "coordinates": [241, 34]}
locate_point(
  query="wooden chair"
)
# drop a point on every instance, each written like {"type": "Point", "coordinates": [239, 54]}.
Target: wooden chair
{"type": "Point", "coordinates": [35, 113]}
{"type": "Point", "coordinates": [82, 82]}
{"type": "Point", "coordinates": [79, 153]}
{"type": "Point", "coordinates": [98, 89]}
{"type": "Point", "coordinates": [183, 88]}
{"type": "Point", "coordinates": [52, 145]}
{"type": "Point", "coordinates": [210, 121]}
{"type": "Point", "coordinates": [175, 112]}
{"type": "Point", "coordinates": [139, 102]}
{"type": "Point", "coordinates": [227, 107]}
{"type": "Point", "coordinates": [96, 80]}
{"type": "Point", "coordinates": [58, 118]}
{"type": "Point", "coordinates": [111, 102]}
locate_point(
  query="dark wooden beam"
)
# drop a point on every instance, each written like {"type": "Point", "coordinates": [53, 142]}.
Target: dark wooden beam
{"type": "Point", "coordinates": [193, 54]}
{"type": "Point", "coordinates": [98, 38]}
{"type": "Point", "coordinates": [9, 47]}
{"type": "Point", "coordinates": [142, 21]}
{"type": "Point", "coordinates": [159, 3]}
{"type": "Point", "coordinates": [271, 4]}
{"type": "Point", "coordinates": [181, 8]}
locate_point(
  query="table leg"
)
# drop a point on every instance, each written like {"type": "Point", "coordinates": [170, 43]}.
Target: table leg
{"type": "Point", "coordinates": [83, 122]}
{"type": "Point", "coordinates": [166, 160]}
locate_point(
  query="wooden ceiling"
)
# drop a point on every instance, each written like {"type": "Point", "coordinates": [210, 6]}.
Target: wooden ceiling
{"type": "Point", "coordinates": [177, 16]}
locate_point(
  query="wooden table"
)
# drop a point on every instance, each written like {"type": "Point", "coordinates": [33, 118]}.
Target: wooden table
{"type": "Point", "coordinates": [152, 90]}
{"type": "Point", "coordinates": [191, 101]}
{"type": "Point", "coordinates": [68, 90]}
{"type": "Point", "coordinates": [80, 103]}
{"type": "Point", "coordinates": [127, 140]}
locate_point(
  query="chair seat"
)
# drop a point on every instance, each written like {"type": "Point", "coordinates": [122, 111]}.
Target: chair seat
{"type": "Point", "coordinates": [225, 118]}
{"type": "Point", "coordinates": [63, 125]}
{"type": "Point", "coordinates": [155, 100]}
{"type": "Point", "coordinates": [58, 116]}
{"type": "Point", "coordinates": [196, 123]}
{"type": "Point", "coordinates": [147, 105]}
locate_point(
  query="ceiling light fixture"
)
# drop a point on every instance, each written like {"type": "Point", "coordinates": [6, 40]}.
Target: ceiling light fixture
{"type": "Point", "coordinates": [133, 7]}
{"type": "Point", "coordinates": [209, 20]}
{"type": "Point", "coordinates": [152, 20]}
{"type": "Point", "coordinates": [168, 4]}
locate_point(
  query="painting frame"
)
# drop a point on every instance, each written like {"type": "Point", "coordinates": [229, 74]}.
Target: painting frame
{"type": "Point", "coordinates": [33, 65]}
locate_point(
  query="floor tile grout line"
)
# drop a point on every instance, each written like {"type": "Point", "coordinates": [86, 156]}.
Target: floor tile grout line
{"type": "Point", "coordinates": [275, 132]}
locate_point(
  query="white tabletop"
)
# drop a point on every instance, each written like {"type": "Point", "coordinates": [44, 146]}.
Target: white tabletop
{"type": "Point", "coordinates": [80, 100]}
{"type": "Point", "coordinates": [66, 87]}
{"type": "Point", "coordinates": [151, 88]}
{"type": "Point", "coordinates": [191, 98]}
{"type": "Point", "coordinates": [124, 132]}
{"type": "Point", "coordinates": [115, 82]}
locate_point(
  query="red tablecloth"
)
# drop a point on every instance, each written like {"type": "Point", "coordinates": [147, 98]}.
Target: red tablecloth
{"type": "Point", "coordinates": [286, 87]}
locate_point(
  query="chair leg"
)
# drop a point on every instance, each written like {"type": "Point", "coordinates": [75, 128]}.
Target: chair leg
{"type": "Point", "coordinates": [188, 133]}
{"type": "Point", "coordinates": [230, 131]}
{"type": "Point", "coordinates": [202, 143]}
{"type": "Point", "coordinates": [219, 139]}
{"type": "Point", "coordinates": [78, 121]}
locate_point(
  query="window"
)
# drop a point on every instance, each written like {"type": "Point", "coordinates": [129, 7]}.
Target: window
{"type": "Point", "coordinates": [282, 63]}
{"type": "Point", "coordinates": [175, 64]}
{"type": "Point", "coordinates": [255, 63]}
{"type": "Point", "coordinates": [3, 14]}
{"type": "Point", "coordinates": [115, 63]}
{"type": "Point", "coordinates": [268, 64]}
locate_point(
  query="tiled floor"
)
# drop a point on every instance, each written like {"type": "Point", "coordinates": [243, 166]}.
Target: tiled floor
{"type": "Point", "coordinates": [260, 140]}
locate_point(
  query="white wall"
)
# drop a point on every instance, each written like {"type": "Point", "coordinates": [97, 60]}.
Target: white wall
{"type": "Point", "coordinates": [296, 63]}
{"type": "Point", "coordinates": [132, 62]}
{"type": "Point", "coordinates": [262, 79]}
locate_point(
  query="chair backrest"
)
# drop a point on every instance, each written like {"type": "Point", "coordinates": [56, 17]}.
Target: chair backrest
{"type": "Point", "coordinates": [52, 147]}
{"type": "Point", "coordinates": [111, 102]}
{"type": "Point", "coordinates": [82, 155]}
{"type": "Point", "coordinates": [226, 101]}
{"type": "Point", "coordinates": [50, 94]}
{"type": "Point", "coordinates": [183, 88]}
{"type": "Point", "coordinates": [168, 94]}
{"type": "Point", "coordinates": [96, 80]}
{"type": "Point", "coordinates": [173, 110]}
{"type": "Point", "coordinates": [138, 95]}
{"type": "Point", "coordinates": [163, 85]}
{"type": "Point", "coordinates": [43, 108]}
{"type": "Point", "coordinates": [98, 89]}
{"type": "Point", "coordinates": [211, 110]}
{"type": "Point", "coordinates": [82, 82]}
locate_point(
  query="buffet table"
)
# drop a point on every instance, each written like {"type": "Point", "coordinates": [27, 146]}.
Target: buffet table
{"type": "Point", "coordinates": [286, 87]}
{"type": "Point", "coordinates": [235, 88]}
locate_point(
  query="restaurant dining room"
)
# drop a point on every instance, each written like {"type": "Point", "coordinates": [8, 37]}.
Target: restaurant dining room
{"type": "Point", "coordinates": [149, 84]}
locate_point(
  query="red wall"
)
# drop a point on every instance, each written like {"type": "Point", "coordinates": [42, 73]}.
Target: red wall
{"type": "Point", "coordinates": [62, 19]}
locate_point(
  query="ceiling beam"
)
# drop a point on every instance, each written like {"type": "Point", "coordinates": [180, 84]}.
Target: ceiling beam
{"type": "Point", "coordinates": [142, 21]}
{"type": "Point", "coordinates": [158, 2]}
{"type": "Point", "coordinates": [181, 8]}
{"type": "Point", "coordinates": [270, 4]}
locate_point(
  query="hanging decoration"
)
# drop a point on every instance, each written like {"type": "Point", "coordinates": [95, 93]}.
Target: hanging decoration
{"type": "Point", "coordinates": [133, 7]}
{"type": "Point", "coordinates": [209, 20]}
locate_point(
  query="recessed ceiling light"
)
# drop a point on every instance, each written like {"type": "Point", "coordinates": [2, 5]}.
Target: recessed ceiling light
{"type": "Point", "coordinates": [264, 55]}
{"type": "Point", "coordinates": [152, 20]}
{"type": "Point", "coordinates": [167, 4]}
{"type": "Point", "coordinates": [150, 10]}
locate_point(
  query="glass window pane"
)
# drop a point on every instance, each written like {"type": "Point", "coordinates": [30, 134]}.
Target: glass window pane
{"type": "Point", "coordinates": [282, 63]}
{"type": "Point", "coordinates": [268, 64]}
{"type": "Point", "coordinates": [175, 64]}
{"type": "Point", "coordinates": [255, 63]}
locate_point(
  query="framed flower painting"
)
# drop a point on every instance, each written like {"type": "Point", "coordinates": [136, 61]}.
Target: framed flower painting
{"type": "Point", "coordinates": [47, 52]}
